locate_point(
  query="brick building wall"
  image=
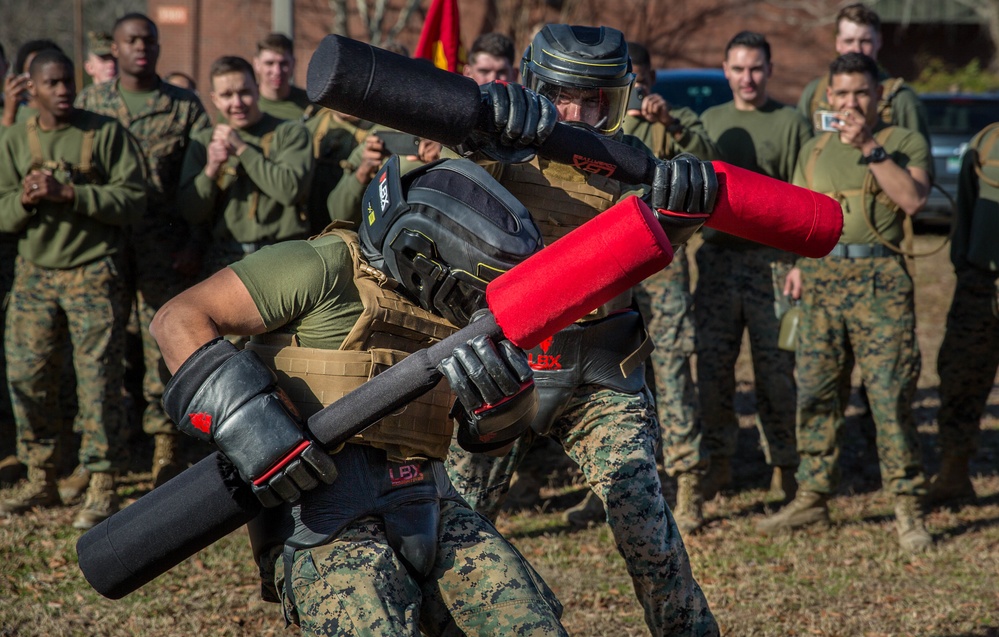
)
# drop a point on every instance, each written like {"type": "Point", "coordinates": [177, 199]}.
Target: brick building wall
{"type": "Point", "coordinates": [678, 33]}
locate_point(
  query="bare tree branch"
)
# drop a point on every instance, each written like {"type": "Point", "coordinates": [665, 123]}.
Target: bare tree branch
{"type": "Point", "coordinates": [407, 11]}
{"type": "Point", "coordinates": [339, 9]}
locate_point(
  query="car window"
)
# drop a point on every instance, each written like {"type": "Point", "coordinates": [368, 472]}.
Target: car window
{"type": "Point", "coordinates": [695, 91]}
{"type": "Point", "coordinates": [960, 116]}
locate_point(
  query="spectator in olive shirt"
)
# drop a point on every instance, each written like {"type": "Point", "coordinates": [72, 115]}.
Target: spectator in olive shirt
{"type": "Point", "coordinates": [249, 177]}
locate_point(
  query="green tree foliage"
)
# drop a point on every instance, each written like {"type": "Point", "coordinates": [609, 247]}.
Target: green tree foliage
{"type": "Point", "coordinates": [937, 77]}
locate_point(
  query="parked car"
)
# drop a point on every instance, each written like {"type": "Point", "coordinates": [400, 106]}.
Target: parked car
{"type": "Point", "coordinates": [697, 89]}
{"type": "Point", "coordinates": [954, 119]}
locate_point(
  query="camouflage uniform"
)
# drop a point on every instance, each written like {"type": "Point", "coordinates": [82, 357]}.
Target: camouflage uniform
{"type": "Point", "coordinates": [666, 305]}
{"type": "Point", "coordinates": [68, 281]}
{"type": "Point", "coordinates": [347, 576]}
{"type": "Point", "coordinates": [162, 128]}
{"type": "Point", "coordinates": [863, 304]}
{"type": "Point", "coordinates": [969, 354]}
{"type": "Point", "coordinates": [740, 287]}
{"type": "Point", "coordinates": [612, 435]}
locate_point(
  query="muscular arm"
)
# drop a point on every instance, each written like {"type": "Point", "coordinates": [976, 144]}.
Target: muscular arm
{"type": "Point", "coordinates": [218, 305]}
{"type": "Point", "coordinates": [908, 187]}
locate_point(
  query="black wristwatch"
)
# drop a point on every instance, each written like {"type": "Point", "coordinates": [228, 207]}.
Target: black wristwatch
{"type": "Point", "coordinates": [877, 156]}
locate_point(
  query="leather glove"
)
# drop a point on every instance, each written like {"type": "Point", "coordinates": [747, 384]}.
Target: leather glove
{"type": "Point", "coordinates": [519, 120]}
{"type": "Point", "coordinates": [495, 388]}
{"type": "Point", "coordinates": [683, 194]}
{"type": "Point", "coordinates": [230, 398]}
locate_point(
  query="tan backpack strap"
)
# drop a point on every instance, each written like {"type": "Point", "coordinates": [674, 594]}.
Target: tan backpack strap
{"type": "Point", "coordinates": [87, 152]}
{"type": "Point", "coordinates": [325, 118]}
{"type": "Point", "coordinates": [360, 134]}
{"type": "Point", "coordinates": [659, 141]}
{"type": "Point", "coordinates": [819, 96]}
{"type": "Point", "coordinates": [814, 157]}
{"type": "Point", "coordinates": [890, 89]}
{"type": "Point", "coordinates": [265, 148]}
{"type": "Point", "coordinates": [34, 143]}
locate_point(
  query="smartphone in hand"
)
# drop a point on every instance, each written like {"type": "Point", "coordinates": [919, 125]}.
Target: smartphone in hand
{"type": "Point", "coordinates": [824, 121]}
{"type": "Point", "coordinates": [635, 99]}
{"type": "Point", "coordinates": [398, 143]}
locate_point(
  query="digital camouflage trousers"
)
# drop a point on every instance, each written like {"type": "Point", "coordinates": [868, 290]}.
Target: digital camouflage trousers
{"type": "Point", "coordinates": [480, 585]}
{"type": "Point", "coordinates": [667, 308]}
{"type": "Point", "coordinates": [89, 303]}
{"type": "Point", "coordinates": [864, 306]}
{"type": "Point", "coordinates": [612, 437]}
{"type": "Point", "coordinates": [741, 290]}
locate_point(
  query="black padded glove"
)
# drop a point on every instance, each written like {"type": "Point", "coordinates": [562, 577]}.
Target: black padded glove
{"type": "Point", "coordinates": [228, 397]}
{"type": "Point", "coordinates": [684, 191]}
{"type": "Point", "coordinates": [519, 121]}
{"type": "Point", "coordinates": [495, 388]}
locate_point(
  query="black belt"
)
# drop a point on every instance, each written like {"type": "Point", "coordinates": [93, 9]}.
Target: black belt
{"type": "Point", "coordinates": [861, 250]}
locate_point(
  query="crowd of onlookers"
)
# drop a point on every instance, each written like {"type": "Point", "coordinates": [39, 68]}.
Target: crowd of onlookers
{"type": "Point", "coordinates": [116, 198]}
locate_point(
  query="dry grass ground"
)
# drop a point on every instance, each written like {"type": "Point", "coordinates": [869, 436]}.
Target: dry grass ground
{"type": "Point", "coordinates": [850, 580]}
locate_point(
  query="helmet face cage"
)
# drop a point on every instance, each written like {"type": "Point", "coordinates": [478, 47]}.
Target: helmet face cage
{"type": "Point", "coordinates": [443, 231]}
{"type": "Point", "coordinates": [584, 71]}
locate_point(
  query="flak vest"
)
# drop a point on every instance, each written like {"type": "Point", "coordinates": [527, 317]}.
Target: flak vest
{"type": "Point", "coordinates": [389, 329]}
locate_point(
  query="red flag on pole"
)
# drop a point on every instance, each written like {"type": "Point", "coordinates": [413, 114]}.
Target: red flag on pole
{"type": "Point", "coordinates": [440, 41]}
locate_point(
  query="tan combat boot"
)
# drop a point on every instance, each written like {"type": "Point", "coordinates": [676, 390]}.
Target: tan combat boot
{"type": "Point", "coordinates": [688, 513]}
{"type": "Point", "coordinates": [590, 510]}
{"type": "Point", "coordinates": [166, 458]}
{"type": "Point", "coordinates": [39, 490]}
{"type": "Point", "coordinates": [912, 533]}
{"type": "Point", "coordinates": [100, 503]}
{"type": "Point", "coordinates": [783, 486]}
{"type": "Point", "coordinates": [953, 483]}
{"type": "Point", "coordinates": [718, 477]}
{"type": "Point", "coordinates": [805, 509]}
{"type": "Point", "coordinates": [72, 487]}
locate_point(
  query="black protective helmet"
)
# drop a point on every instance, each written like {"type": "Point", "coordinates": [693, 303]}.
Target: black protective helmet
{"type": "Point", "coordinates": [443, 231]}
{"type": "Point", "coordinates": [566, 61]}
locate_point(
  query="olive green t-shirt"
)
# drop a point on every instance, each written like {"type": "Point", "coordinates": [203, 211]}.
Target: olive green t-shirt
{"type": "Point", "coordinates": [113, 195]}
{"type": "Point", "coordinates": [292, 108]}
{"type": "Point", "coordinates": [135, 101]}
{"type": "Point", "coordinates": [304, 287]}
{"type": "Point", "coordinates": [766, 140]}
{"type": "Point", "coordinates": [839, 173]}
